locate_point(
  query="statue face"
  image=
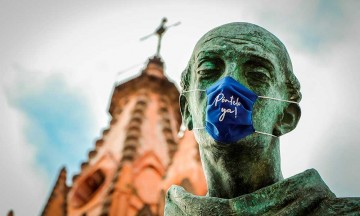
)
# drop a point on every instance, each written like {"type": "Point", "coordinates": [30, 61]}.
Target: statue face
{"type": "Point", "coordinates": [251, 61]}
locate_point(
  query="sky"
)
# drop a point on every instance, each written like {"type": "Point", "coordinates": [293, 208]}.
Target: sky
{"type": "Point", "coordinates": [60, 60]}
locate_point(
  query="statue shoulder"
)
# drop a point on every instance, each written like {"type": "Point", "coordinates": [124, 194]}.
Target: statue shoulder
{"type": "Point", "coordinates": [339, 206]}
{"type": "Point", "coordinates": [302, 194]}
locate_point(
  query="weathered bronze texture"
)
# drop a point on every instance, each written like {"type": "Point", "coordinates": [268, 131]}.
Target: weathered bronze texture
{"type": "Point", "coordinates": [245, 178]}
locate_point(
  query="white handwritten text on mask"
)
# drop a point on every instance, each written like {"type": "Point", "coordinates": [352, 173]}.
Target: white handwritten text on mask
{"type": "Point", "coordinates": [220, 98]}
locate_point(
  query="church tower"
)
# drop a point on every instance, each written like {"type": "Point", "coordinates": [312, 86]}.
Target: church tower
{"type": "Point", "coordinates": [139, 156]}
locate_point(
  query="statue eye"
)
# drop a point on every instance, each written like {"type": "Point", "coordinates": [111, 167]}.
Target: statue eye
{"type": "Point", "coordinates": [259, 73]}
{"type": "Point", "coordinates": [209, 68]}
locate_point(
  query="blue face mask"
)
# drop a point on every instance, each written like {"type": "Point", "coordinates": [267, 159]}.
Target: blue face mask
{"type": "Point", "coordinates": [229, 110]}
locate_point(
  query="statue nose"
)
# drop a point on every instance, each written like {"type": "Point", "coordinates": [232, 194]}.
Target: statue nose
{"type": "Point", "coordinates": [235, 71]}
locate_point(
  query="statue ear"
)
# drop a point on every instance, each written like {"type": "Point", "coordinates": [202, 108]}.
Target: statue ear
{"type": "Point", "coordinates": [288, 120]}
{"type": "Point", "coordinates": [185, 113]}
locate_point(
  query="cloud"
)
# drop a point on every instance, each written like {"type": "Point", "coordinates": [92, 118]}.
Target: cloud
{"type": "Point", "coordinates": [59, 123]}
{"type": "Point", "coordinates": [23, 185]}
{"type": "Point", "coordinates": [337, 149]}
{"type": "Point", "coordinates": [56, 128]}
{"type": "Point", "coordinates": [306, 25]}
{"type": "Point", "coordinates": [326, 137]}
{"type": "Point", "coordinates": [339, 160]}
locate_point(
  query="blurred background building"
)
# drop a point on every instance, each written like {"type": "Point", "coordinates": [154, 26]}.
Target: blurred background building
{"type": "Point", "coordinates": [139, 157]}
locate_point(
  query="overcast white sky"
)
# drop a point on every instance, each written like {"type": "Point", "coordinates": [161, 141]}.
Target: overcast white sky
{"type": "Point", "coordinates": [59, 62]}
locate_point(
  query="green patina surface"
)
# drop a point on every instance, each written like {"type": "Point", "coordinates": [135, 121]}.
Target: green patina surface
{"type": "Point", "coordinates": [245, 178]}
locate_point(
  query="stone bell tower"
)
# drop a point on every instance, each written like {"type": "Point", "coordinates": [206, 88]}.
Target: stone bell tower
{"type": "Point", "coordinates": [138, 157]}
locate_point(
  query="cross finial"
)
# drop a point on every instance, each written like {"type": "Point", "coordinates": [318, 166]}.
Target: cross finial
{"type": "Point", "coordinates": [159, 32]}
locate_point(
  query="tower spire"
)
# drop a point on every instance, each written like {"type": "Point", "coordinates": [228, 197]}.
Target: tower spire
{"type": "Point", "coordinates": [159, 32]}
{"type": "Point", "coordinates": [57, 202]}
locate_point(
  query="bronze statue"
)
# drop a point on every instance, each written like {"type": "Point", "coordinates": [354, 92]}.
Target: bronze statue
{"type": "Point", "coordinates": [244, 177]}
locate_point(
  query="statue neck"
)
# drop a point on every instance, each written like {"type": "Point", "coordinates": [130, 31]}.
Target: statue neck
{"type": "Point", "coordinates": [232, 171]}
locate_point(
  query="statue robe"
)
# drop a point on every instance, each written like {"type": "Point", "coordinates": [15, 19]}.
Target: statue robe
{"type": "Point", "coordinates": [303, 194]}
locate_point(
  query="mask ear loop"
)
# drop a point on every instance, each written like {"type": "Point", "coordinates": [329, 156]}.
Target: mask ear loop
{"type": "Point", "coordinates": [288, 101]}
{"type": "Point", "coordinates": [265, 97]}
{"type": "Point", "coordinates": [266, 134]}
{"type": "Point", "coordinates": [198, 128]}
{"type": "Point", "coordinates": [194, 90]}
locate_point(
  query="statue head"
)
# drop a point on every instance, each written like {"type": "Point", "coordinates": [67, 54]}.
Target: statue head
{"type": "Point", "coordinates": [255, 58]}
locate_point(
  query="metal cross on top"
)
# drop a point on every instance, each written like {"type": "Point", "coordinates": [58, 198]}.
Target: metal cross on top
{"type": "Point", "coordinates": [159, 32]}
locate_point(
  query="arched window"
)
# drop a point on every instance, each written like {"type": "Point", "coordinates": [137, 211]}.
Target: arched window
{"type": "Point", "coordinates": [87, 189]}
